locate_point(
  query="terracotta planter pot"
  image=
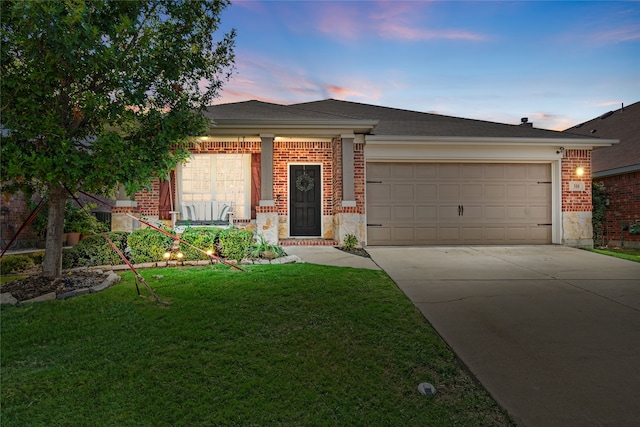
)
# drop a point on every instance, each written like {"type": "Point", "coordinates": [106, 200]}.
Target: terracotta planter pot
{"type": "Point", "coordinates": [73, 238]}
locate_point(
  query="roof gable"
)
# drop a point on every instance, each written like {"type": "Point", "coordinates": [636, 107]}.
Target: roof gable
{"type": "Point", "coordinates": [622, 124]}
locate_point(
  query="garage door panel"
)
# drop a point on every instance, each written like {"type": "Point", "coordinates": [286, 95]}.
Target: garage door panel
{"type": "Point", "coordinates": [447, 192]}
{"type": "Point", "coordinates": [379, 214]}
{"type": "Point", "coordinates": [540, 192]}
{"type": "Point", "coordinates": [427, 234]}
{"type": "Point", "coordinates": [403, 214]}
{"type": "Point", "coordinates": [426, 214]}
{"type": "Point", "coordinates": [455, 203]}
{"type": "Point", "coordinates": [426, 170]}
{"type": "Point", "coordinates": [426, 192]}
{"type": "Point", "coordinates": [378, 193]}
{"type": "Point", "coordinates": [494, 192]}
{"type": "Point", "coordinates": [470, 192]}
{"type": "Point", "coordinates": [472, 235]}
{"type": "Point", "coordinates": [379, 235]}
{"type": "Point", "coordinates": [494, 213]}
{"type": "Point", "coordinates": [472, 214]}
{"type": "Point", "coordinates": [403, 171]}
{"type": "Point", "coordinates": [403, 192]}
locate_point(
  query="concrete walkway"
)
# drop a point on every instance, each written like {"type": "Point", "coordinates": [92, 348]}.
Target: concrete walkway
{"type": "Point", "coordinates": [328, 255]}
{"type": "Point", "coordinates": [552, 332]}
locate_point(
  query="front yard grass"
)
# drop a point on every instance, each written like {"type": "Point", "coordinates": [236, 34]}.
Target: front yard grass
{"type": "Point", "coordinates": [294, 345]}
{"type": "Point", "coordinates": [631, 254]}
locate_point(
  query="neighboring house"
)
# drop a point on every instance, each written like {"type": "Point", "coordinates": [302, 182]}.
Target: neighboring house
{"type": "Point", "coordinates": [318, 171]}
{"type": "Point", "coordinates": [618, 168]}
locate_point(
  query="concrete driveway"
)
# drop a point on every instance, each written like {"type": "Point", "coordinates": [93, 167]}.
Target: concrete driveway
{"type": "Point", "coordinates": [552, 332]}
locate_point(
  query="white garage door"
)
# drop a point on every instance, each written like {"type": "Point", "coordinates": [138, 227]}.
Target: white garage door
{"type": "Point", "coordinates": [458, 204]}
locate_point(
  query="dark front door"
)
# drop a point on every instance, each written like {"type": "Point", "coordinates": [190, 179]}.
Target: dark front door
{"type": "Point", "coordinates": [305, 207]}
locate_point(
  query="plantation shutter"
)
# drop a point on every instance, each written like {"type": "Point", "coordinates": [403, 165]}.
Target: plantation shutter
{"type": "Point", "coordinates": [166, 197]}
{"type": "Point", "coordinates": [255, 183]}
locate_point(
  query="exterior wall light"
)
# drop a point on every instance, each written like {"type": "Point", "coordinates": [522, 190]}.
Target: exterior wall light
{"type": "Point", "coordinates": [580, 171]}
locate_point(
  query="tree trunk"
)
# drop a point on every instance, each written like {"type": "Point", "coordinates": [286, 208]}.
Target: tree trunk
{"type": "Point", "coordinates": [52, 263]}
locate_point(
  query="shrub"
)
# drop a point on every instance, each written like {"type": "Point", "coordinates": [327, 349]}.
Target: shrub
{"type": "Point", "coordinates": [202, 238]}
{"type": "Point", "coordinates": [235, 243]}
{"type": "Point", "coordinates": [95, 250]}
{"type": "Point", "coordinates": [261, 248]}
{"type": "Point", "coordinates": [148, 245]}
{"type": "Point", "coordinates": [15, 263]}
{"type": "Point", "coordinates": [350, 241]}
{"type": "Point", "coordinates": [37, 257]}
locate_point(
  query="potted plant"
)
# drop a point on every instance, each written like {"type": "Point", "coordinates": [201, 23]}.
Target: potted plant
{"type": "Point", "coordinates": [79, 221]}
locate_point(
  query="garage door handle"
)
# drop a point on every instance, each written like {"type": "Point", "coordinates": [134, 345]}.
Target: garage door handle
{"type": "Point", "coordinates": [460, 210]}
{"type": "Point", "coordinates": [374, 225]}
{"type": "Point", "coordinates": [374, 182]}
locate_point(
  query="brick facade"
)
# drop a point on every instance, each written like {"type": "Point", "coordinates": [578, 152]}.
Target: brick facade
{"type": "Point", "coordinates": [285, 153]}
{"type": "Point", "coordinates": [624, 208]}
{"type": "Point", "coordinates": [576, 201]}
{"type": "Point", "coordinates": [148, 200]}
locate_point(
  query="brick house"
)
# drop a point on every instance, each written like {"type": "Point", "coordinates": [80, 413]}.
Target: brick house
{"type": "Point", "coordinates": [618, 168]}
{"type": "Point", "coordinates": [318, 171]}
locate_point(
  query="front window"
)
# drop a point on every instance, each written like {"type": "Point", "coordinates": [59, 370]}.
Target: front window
{"type": "Point", "coordinates": [220, 178]}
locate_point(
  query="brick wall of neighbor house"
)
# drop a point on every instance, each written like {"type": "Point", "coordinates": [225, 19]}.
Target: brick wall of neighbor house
{"type": "Point", "coordinates": [624, 208]}
{"type": "Point", "coordinates": [13, 214]}
{"type": "Point", "coordinates": [576, 204]}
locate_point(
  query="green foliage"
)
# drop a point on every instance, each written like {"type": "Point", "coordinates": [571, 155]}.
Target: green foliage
{"type": "Point", "coordinates": [81, 220]}
{"type": "Point", "coordinates": [301, 344]}
{"type": "Point", "coordinates": [235, 243]}
{"type": "Point", "coordinates": [263, 249]}
{"type": "Point", "coordinates": [39, 223]}
{"type": "Point", "coordinates": [599, 202]}
{"type": "Point", "coordinates": [37, 257]}
{"type": "Point", "coordinates": [15, 263]}
{"type": "Point", "coordinates": [95, 250]}
{"type": "Point", "coordinates": [101, 93]}
{"type": "Point", "coordinates": [350, 241]}
{"type": "Point", "coordinates": [202, 238]}
{"type": "Point", "coordinates": [148, 245]}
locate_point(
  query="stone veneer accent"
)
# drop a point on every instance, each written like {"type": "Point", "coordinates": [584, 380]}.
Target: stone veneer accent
{"type": "Point", "coordinates": [577, 229]}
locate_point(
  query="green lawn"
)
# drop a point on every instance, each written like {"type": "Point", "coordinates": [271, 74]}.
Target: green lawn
{"type": "Point", "coordinates": [293, 345]}
{"type": "Point", "coordinates": [631, 254]}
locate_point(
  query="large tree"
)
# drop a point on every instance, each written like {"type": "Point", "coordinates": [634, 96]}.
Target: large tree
{"type": "Point", "coordinates": [102, 93]}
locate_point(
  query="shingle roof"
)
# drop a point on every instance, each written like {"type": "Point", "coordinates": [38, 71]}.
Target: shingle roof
{"type": "Point", "coordinates": [622, 124]}
{"type": "Point", "coordinates": [394, 121]}
{"type": "Point", "coordinates": [252, 110]}
{"type": "Point", "coordinates": [391, 121]}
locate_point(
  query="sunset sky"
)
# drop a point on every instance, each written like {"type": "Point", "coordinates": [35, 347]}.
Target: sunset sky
{"type": "Point", "coordinates": [557, 63]}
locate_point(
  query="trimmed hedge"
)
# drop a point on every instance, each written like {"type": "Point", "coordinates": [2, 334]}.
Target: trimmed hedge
{"type": "Point", "coordinates": [204, 238]}
{"type": "Point", "coordinates": [235, 243]}
{"type": "Point", "coordinates": [148, 245]}
{"type": "Point", "coordinates": [95, 250]}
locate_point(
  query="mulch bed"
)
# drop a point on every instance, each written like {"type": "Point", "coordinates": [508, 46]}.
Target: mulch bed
{"type": "Point", "coordinates": [355, 251]}
{"type": "Point", "coordinates": [37, 285]}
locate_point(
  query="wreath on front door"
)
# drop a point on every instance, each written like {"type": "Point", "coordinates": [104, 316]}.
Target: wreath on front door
{"type": "Point", "coordinates": [304, 182]}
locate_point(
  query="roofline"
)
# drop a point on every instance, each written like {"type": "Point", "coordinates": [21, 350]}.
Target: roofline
{"type": "Point", "coordinates": [575, 143]}
{"type": "Point", "coordinates": [616, 171]}
{"type": "Point", "coordinates": [286, 127]}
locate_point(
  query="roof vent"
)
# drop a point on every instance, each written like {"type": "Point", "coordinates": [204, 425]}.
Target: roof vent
{"type": "Point", "coordinates": [605, 115]}
{"type": "Point", "coordinates": [525, 122]}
